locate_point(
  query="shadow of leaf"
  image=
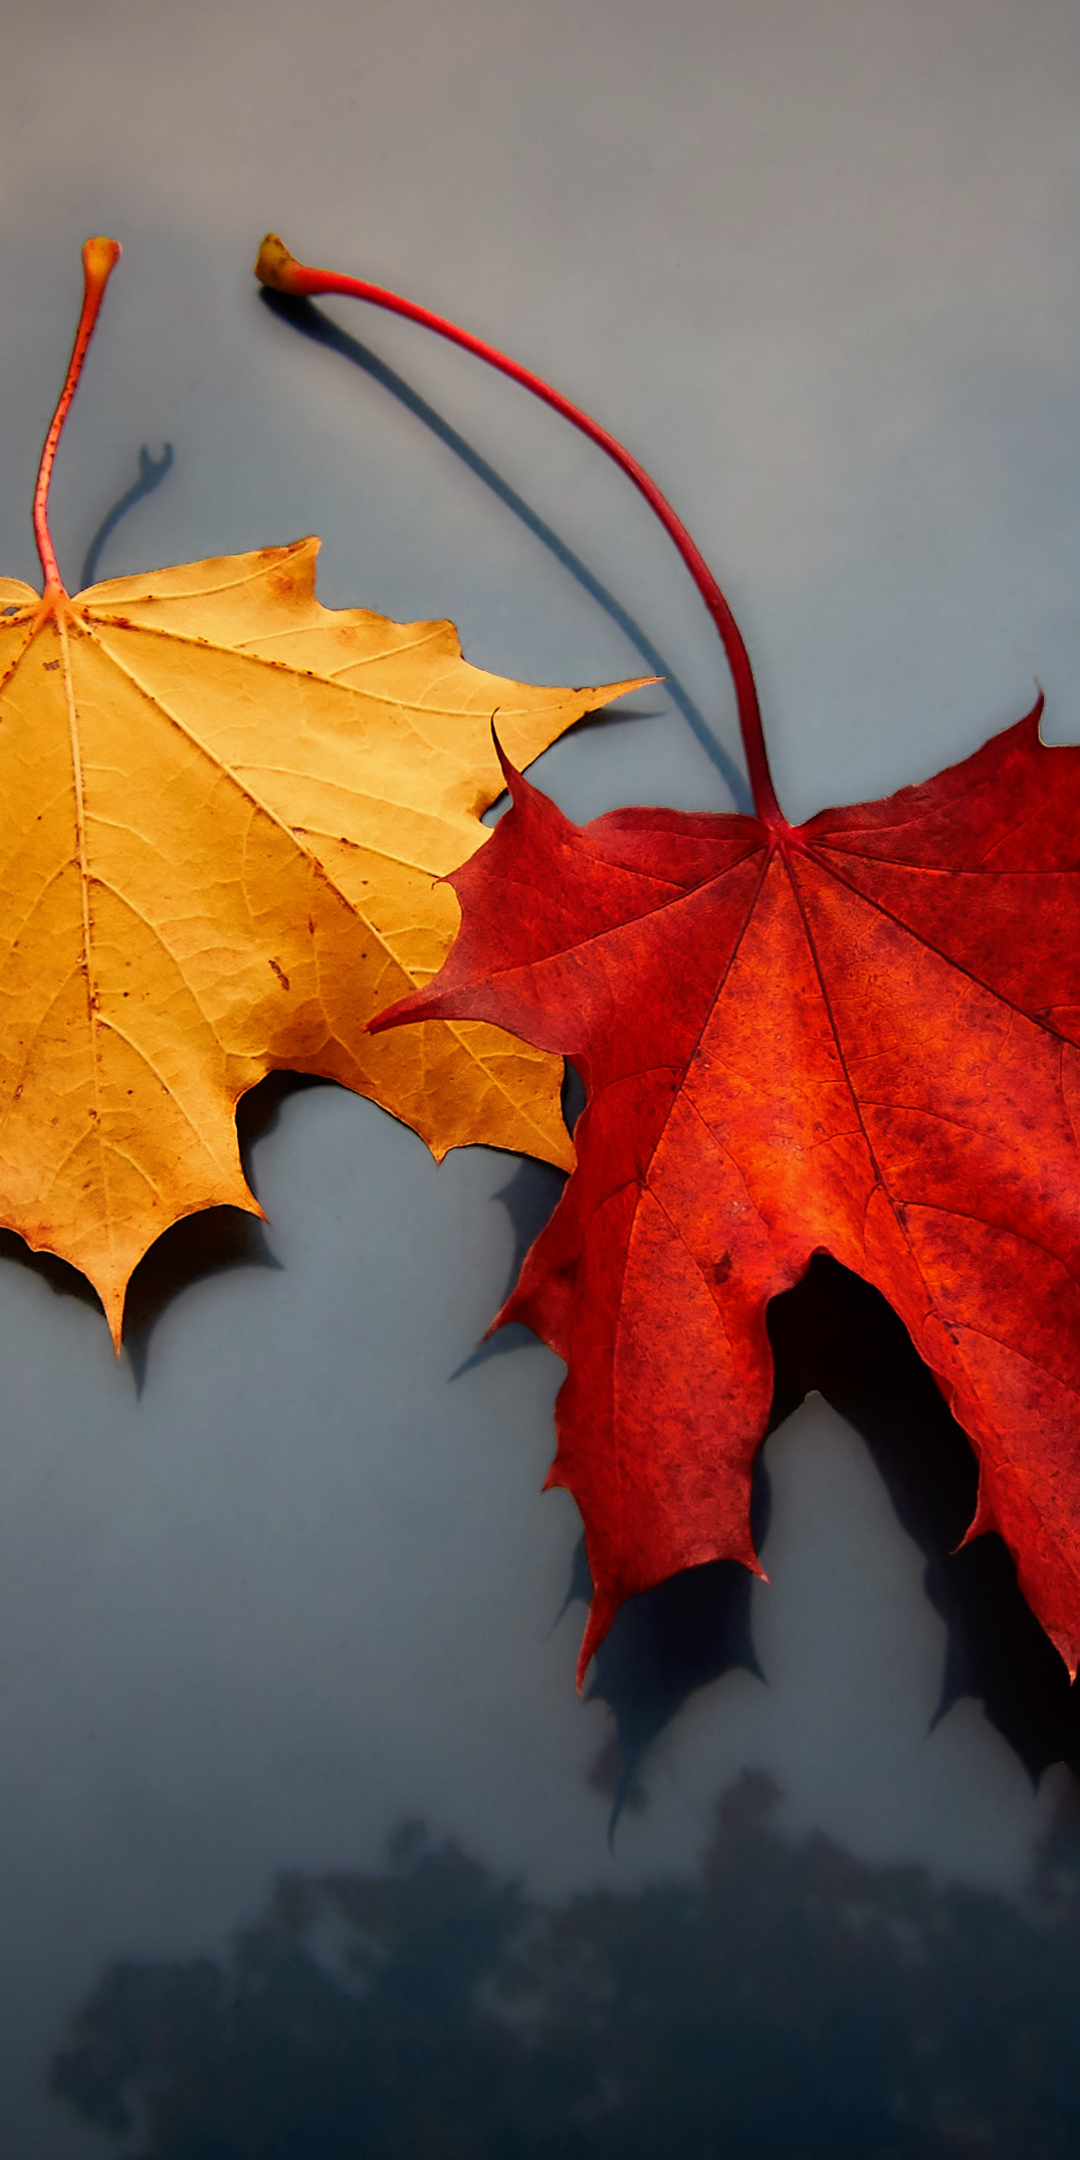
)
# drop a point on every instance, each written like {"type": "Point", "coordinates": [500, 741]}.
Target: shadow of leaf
{"type": "Point", "coordinates": [152, 472]}
{"type": "Point", "coordinates": [312, 323]}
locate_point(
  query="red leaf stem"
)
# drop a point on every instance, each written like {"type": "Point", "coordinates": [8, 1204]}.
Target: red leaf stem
{"type": "Point", "coordinates": [277, 267]}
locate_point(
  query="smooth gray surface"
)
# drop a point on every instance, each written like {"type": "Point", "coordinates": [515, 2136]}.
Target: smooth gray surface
{"type": "Point", "coordinates": [818, 265]}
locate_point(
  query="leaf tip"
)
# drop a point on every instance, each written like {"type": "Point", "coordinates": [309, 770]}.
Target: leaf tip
{"type": "Point", "coordinates": [402, 1010]}
{"type": "Point", "coordinates": [518, 788]}
{"type": "Point", "coordinates": [983, 1520]}
{"type": "Point", "coordinates": [602, 1612]}
{"type": "Point", "coordinates": [510, 772]}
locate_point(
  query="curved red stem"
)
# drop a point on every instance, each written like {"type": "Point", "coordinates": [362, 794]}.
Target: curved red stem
{"type": "Point", "coordinates": [277, 267]}
{"type": "Point", "coordinates": [100, 257]}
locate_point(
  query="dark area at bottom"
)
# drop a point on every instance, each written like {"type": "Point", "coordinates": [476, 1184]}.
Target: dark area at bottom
{"type": "Point", "coordinates": [787, 2003]}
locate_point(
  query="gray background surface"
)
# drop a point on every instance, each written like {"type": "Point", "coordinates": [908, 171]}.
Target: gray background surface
{"type": "Point", "coordinates": [816, 262]}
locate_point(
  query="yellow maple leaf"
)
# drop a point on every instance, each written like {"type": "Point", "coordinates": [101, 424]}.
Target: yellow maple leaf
{"type": "Point", "coordinates": [223, 809]}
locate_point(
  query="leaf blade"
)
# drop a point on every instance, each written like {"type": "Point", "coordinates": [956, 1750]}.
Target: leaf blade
{"type": "Point", "coordinates": [225, 813]}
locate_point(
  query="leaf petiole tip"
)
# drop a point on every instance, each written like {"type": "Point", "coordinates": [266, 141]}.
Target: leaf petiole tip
{"type": "Point", "coordinates": [276, 266]}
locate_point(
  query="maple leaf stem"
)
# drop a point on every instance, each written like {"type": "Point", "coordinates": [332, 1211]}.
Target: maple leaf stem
{"type": "Point", "coordinates": [99, 257]}
{"type": "Point", "coordinates": [277, 267]}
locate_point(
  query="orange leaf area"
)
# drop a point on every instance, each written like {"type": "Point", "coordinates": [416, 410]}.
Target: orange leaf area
{"type": "Point", "coordinates": [223, 812]}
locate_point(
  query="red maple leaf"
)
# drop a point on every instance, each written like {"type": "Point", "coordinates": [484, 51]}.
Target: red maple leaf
{"type": "Point", "coordinates": [856, 1036]}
